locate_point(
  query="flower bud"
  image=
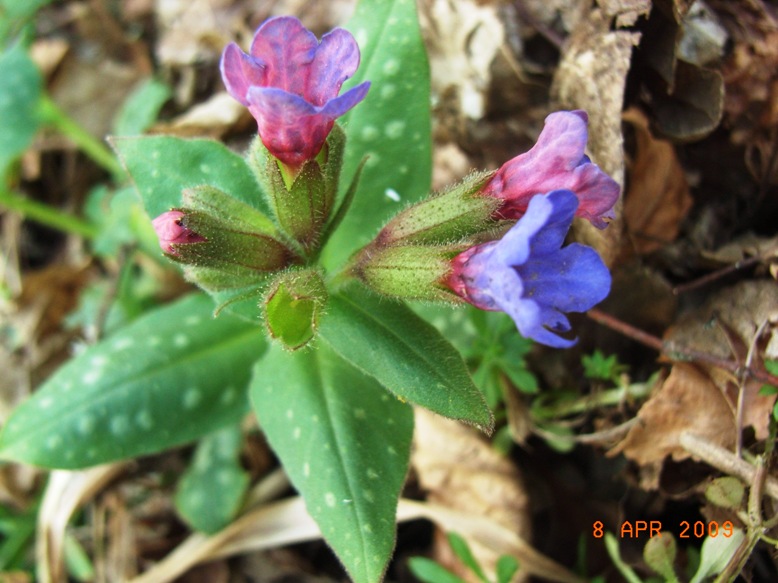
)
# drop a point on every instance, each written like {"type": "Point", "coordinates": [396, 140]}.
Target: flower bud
{"type": "Point", "coordinates": [225, 245]}
{"type": "Point", "coordinates": [170, 231]}
{"type": "Point", "coordinates": [224, 242]}
{"type": "Point", "coordinates": [411, 272]}
{"type": "Point", "coordinates": [293, 306]}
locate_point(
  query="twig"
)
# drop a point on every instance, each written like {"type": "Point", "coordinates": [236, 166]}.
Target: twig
{"type": "Point", "coordinates": [679, 353]}
{"type": "Point", "coordinates": [725, 461]}
{"type": "Point", "coordinates": [714, 275]}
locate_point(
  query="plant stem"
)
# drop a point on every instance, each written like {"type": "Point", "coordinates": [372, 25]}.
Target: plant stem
{"type": "Point", "coordinates": [92, 147]}
{"type": "Point", "coordinates": [679, 353]}
{"type": "Point", "coordinates": [46, 215]}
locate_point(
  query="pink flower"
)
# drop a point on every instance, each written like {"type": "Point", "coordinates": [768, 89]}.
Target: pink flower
{"type": "Point", "coordinates": [556, 161]}
{"type": "Point", "coordinates": [290, 83]}
{"type": "Point", "coordinates": [171, 231]}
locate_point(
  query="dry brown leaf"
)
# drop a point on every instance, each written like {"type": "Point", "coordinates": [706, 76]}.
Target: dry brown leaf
{"type": "Point", "coordinates": [193, 31]}
{"type": "Point", "coordinates": [658, 198]}
{"type": "Point", "coordinates": [462, 40]}
{"type": "Point", "coordinates": [751, 69]}
{"type": "Point", "coordinates": [461, 471]}
{"type": "Point", "coordinates": [48, 54]}
{"type": "Point", "coordinates": [726, 327]}
{"type": "Point", "coordinates": [449, 164]}
{"type": "Point", "coordinates": [703, 399]}
{"type": "Point", "coordinates": [688, 400]}
{"type": "Point", "coordinates": [92, 91]}
{"type": "Point", "coordinates": [591, 76]}
{"type": "Point", "coordinates": [220, 114]}
{"type": "Point", "coordinates": [626, 11]}
{"type": "Point", "coordinates": [745, 248]}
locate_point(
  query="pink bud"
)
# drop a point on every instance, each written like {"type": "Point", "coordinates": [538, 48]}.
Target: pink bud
{"type": "Point", "coordinates": [171, 231]}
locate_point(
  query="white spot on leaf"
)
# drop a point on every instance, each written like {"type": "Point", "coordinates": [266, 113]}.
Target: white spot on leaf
{"type": "Point", "coordinates": [192, 398]}
{"type": "Point", "coordinates": [394, 129]}
{"type": "Point", "coordinates": [391, 67]}
{"type": "Point", "coordinates": [329, 499]}
{"type": "Point", "coordinates": [369, 133]}
{"type": "Point", "coordinates": [120, 424]}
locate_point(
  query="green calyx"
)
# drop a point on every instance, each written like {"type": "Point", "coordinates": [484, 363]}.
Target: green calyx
{"type": "Point", "coordinates": [302, 198]}
{"type": "Point", "coordinates": [451, 215]}
{"type": "Point", "coordinates": [293, 307]}
{"type": "Point", "coordinates": [415, 272]}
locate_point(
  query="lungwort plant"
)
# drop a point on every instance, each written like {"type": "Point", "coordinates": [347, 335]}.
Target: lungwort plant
{"type": "Point", "coordinates": [307, 248]}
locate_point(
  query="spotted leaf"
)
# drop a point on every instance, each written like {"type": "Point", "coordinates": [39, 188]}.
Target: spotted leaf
{"type": "Point", "coordinates": [391, 126]}
{"type": "Point", "coordinates": [344, 442]}
{"type": "Point", "coordinates": [168, 378]}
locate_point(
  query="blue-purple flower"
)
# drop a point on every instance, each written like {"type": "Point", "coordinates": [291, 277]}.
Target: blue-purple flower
{"type": "Point", "coordinates": [556, 161]}
{"type": "Point", "coordinates": [290, 83]}
{"type": "Point", "coordinates": [530, 276]}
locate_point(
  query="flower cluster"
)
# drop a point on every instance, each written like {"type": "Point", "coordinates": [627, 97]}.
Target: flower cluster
{"type": "Point", "coordinates": [528, 273]}
{"type": "Point", "coordinates": [439, 249]}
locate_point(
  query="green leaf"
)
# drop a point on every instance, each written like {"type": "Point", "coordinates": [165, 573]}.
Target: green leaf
{"type": "Point", "coordinates": [659, 554]}
{"type": "Point", "coordinates": [506, 568]}
{"type": "Point", "coordinates": [211, 491]}
{"type": "Point", "coordinates": [344, 443]}
{"type": "Point", "coordinates": [726, 492]}
{"type": "Point", "coordinates": [612, 546]}
{"type": "Point", "coordinates": [391, 126]}
{"type": "Point", "coordinates": [163, 166]}
{"type": "Point", "coordinates": [77, 560]}
{"type": "Point", "coordinates": [168, 378]}
{"type": "Point", "coordinates": [14, 15]}
{"type": "Point", "coordinates": [408, 356]}
{"type": "Point", "coordinates": [429, 571]}
{"type": "Point", "coordinates": [20, 94]}
{"type": "Point", "coordinates": [141, 108]}
{"type": "Point", "coordinates": [716, 552]}
{"type": "Point", "coordinates": [462, 550]}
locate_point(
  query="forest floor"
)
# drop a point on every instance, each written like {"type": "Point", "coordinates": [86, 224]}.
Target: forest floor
{"type": "Point", "coordinates": [671, 385]}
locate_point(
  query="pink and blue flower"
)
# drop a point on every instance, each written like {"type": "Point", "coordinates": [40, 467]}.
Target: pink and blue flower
{"type": "Point", "coordinates": [529, 274]}
{"type": "Point", "coordinates": [290, 82]}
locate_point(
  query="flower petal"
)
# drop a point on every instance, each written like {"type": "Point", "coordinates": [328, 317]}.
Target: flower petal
{"type": "Point", "coordinates": [573, 279]}
{"type": "Point", "coordinates": [240, 72]}
{"type": "Point", "coordinates": [336, 60]}
{"type": "Point", "coordinates": [556, 161]}
{"type": "Point", "coordinates": [287, 49]}
{"type": "Point", "coordinates": [340, 105]}
{"type": "Point", "coordinates": [290, 127]}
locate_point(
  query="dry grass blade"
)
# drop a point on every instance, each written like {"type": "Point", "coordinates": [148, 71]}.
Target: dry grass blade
{"type": "Point", "coordinates": [65, 493]}
{"type": "Point", "coordinates": [277, 524]}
